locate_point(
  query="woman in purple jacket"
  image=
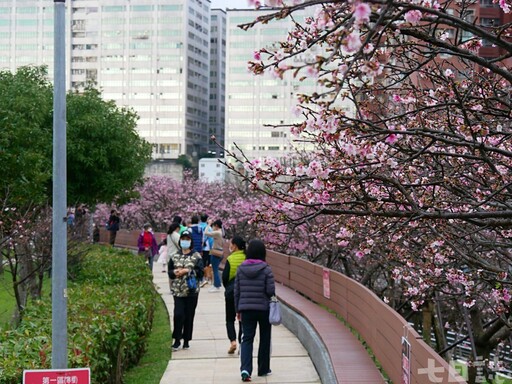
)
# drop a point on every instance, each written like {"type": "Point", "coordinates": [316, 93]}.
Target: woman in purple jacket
{"type": "Point", "coordinates": [254, 286]}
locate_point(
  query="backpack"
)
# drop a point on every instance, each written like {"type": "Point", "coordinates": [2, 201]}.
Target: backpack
{"type": "Point", "coordinates": [196, 232]}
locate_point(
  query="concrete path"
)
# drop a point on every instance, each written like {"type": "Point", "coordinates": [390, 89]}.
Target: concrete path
{"type": "Point", "coordinates": [207, 360]}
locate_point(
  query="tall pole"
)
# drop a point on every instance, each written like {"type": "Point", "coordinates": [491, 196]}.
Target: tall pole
{"type": "Point", "coordinates": [59, 226]}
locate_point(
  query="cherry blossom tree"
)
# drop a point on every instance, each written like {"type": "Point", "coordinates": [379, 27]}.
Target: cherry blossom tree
{"type": "Point", "coordinates": [161, 198]}
{"type": "Point", "coordinates": [417, 174]}
{"type": "Point", "coordinates": [25, 248]}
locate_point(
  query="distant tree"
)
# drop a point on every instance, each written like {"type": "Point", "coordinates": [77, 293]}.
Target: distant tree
{"type": "Point", "coordinates": [106, 156]}
{"type": "Point", "coordinates": [161, 198]}
{"type": "Point", "coordinates": [184, 161]}
{"type": "Point", "coordinates": [25, 136]}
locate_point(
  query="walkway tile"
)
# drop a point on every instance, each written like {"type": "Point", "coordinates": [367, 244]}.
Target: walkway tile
{"type": "Point", "coordinates": [207, 360]}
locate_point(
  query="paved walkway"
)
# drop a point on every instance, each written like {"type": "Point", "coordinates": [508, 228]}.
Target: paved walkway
{"type": "Point", "coordinates": [207, 360]}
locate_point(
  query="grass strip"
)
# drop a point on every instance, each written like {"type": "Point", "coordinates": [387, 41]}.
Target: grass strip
{"type": "Point", "coordinates": [7, 301]}
{"type": "Point", "coordinates": [152, 366]}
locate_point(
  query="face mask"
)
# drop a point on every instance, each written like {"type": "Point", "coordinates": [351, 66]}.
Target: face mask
{"type": "Point", "coordinates": [185, 244]}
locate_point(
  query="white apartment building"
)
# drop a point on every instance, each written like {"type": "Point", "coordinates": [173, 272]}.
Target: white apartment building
{"type": "Point", "coordinates": [217, 79]}
{"type": "Point", "coordinates": [211, 170]}
{"type": "Point", "coordinates": [255, 101]}
{"type": "Point", "coordinates": [148, 55]}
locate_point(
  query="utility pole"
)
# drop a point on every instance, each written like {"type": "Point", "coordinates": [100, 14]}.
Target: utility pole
{"type": "Point", "coordinates": [59, 225]}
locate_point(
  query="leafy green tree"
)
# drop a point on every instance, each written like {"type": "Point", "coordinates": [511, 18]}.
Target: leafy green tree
{"type": "Point", "coordinates": [184, 161]}
{"type": "Point", "coordinates": [25, 135]}
{"type": "Point", "coordinates": [106, 156]}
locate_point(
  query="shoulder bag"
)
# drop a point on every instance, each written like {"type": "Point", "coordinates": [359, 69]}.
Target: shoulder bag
{"type": "Point", "coordinates": [274, 315]}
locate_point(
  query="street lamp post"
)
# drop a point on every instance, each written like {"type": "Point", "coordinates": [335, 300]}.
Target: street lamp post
{"type": "Point", "coordinates": [59, 225]}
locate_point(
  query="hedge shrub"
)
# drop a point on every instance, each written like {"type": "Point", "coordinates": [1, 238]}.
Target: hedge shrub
{"type": "Point", "coordinates": [110, 312]}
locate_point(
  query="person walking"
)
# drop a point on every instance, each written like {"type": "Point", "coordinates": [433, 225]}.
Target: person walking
{"type": "Point", "coordinates": [184, 267]}
{"type": "Point", "coordinates": [236, 257]}
{"type": "Point", "coordinates": [207, 241]}
{"type": "Point", "coordinates": [179, 220]}
{"type": "Point", "coordinates": [215, 231]}
{"type": "Point", "coordinates": [113, 226]}
{"type": "Point", "coordinates": [197, 234]}
{"type": "Point", "coordinates": [147, 245]}
{"type": "Point", "coordinates": [162, 253]}
{"type": "Point", "coordinates": [173, 239]}
{"type": "Point", "coordinates": [254, 286]}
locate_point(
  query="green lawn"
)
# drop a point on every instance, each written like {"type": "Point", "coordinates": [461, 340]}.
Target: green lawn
{"type": "Point", "coordinates": [7, 301]}
{"type": "Point", "coordinates": [152, 365]}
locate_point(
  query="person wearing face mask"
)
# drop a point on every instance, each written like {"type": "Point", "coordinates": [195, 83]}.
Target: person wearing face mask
{"type": "Point", "coordinates": [147, 245]}
{"type": "Point", "coordinates": [236, 257]}
{"type": "Point", "coordinates": [183, 267]}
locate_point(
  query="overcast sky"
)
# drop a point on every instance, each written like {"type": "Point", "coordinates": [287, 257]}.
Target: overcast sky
{"type": "Point", "coordinates": [229, 4]}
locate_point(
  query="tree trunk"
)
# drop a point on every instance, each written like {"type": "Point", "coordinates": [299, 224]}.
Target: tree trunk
{"type": "Point", "coordinates": [439, 331]}
{"type": "Point", "coordinates": [427, 313]}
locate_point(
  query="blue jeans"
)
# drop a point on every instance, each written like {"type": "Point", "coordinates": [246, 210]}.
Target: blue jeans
{"type": "Point", "coordinates": [251, 319]}
{"type": "Point", "coordinates": [215, 262]}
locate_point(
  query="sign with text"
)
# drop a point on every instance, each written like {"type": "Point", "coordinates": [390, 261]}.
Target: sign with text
{"type": "Point", "coordinates": [406, 361]}
{"type": "Point", "coordinates": [327, 283]}
{"type": "Point", "coordinates": [57, 376]}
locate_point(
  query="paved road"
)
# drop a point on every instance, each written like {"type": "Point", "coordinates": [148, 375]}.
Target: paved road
{"type": "Point", "coordinates": [207, 360]}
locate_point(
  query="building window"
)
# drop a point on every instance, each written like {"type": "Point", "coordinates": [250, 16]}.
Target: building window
{"type": "Point", "coordinates": [489, 4]}
{"type": "Point", "coordinates": [114, 8]}
{"type": "Point", "coordinates": [489, 22]}
{"type": "Point", "coordinates": [141, 8]}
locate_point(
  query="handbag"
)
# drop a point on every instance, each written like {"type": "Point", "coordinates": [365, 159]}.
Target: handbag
{"type": "Point", "coordinates": [274, 315]}
{"type": "Point", "coordinates": [192, 281]}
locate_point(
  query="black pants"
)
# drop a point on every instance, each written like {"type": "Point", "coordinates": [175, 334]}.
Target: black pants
{"type": "Point", "coordinates": [183, 317]}
{"type": "Point", "coordinates": [230, 320]}
{"type": "Point", "coordinates": [206, 258]}
{"type": "Point", "coordinates": [112, 239]}
{"type": "Point", "coordinates": [251, 319]}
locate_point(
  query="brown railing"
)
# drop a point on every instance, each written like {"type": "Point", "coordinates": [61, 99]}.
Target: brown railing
{"type": "Point", "coordinates": [378, 324]}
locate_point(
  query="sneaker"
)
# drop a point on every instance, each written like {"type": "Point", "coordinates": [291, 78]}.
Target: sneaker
{"type": "Point", "coordinates": [176, 346]}
{"type": "Point", "coordinates": [245, 376]}
{"type": "Point", "coordinates": [203, 283]}
{"type": "Point", "coordinates": [269, 373]}
{"type": "Point", "coordinates": [214, 289]}
{"type": "Point", "coordinates": [185, 345]}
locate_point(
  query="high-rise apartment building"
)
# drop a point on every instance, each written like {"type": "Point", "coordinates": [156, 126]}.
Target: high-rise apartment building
{"type": "Point", "coordinates": [149, 55]}
{"type": "Point", "coordinates": [254, 104]}
{"type": "Point", "coordinates": [217, 79]}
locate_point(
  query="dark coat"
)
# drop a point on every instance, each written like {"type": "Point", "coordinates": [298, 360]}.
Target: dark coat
{"type": "Point", "coordinates": [113, 223]}
{"type": "Point", "coordinates": [254, 286]}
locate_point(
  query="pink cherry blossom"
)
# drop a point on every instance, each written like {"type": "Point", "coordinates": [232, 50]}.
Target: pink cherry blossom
{"type": "Point", "coordinates": [353, 41]}
{"type": "Point", "coordinates": [413, 17]}
{"type": "Point", "coordinates": [362, 13]}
